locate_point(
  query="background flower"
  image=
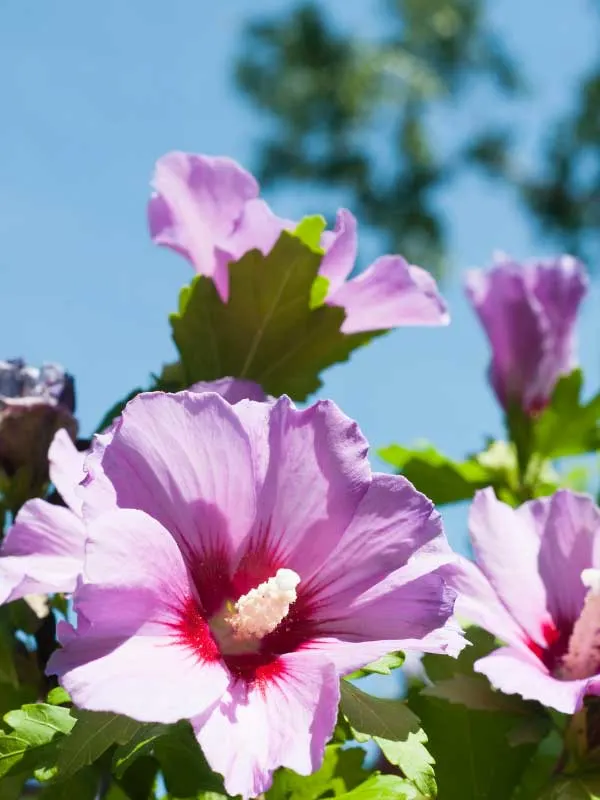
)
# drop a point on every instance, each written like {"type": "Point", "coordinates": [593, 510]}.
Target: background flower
{"type": "Point", "coordinates": [529, 313]}
{"type": "Point", "coordinates": [531, 587]}
{"type": "Point", "coordinates": [208, 210]}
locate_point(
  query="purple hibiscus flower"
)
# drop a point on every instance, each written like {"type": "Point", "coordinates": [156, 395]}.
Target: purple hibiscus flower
{"type": "Point", "coordinates": [239, 559]}
{"type": "Point", "coordinates": [34, 404]}
{"type": "Point", "coordinates": [529, 312]}
{"type": "Point", "coordinates": [208, 209]}
{"type": "Point", "coordinates": [536, 586]}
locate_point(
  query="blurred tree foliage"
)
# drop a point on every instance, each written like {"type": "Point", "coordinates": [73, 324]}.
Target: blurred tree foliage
{"type": "Point", "coordinates": [341, 105]}
{"type": "Point", "coordinates": [344, 107]}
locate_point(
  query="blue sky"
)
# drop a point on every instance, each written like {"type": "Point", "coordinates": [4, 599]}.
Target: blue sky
{"type": "Point", "coordinates": [92, 94]}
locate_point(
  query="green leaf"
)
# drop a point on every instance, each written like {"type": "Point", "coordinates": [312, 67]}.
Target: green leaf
{"type": "Point", "coordinates": [318, 292]}
{"type": "Point", "coordinates": [82, 786]}
{"type": "Point", "coordinates": [140, 744]}
{"type": "Point", "coordinates": [38, 723]}
{"type": "Point", "coordinates": [475, 692]}
{"type": "Point", "coordinates": [8, 672]}
{"type": "Point", "coordinates": [341, 771]}
{"type": "Point", "coordinates": [439, 477]}
{"type": "Point", "coordinates": [583, 787]}
{"type": "Point", "coordinates": [474, 757]}
{"type": "Point", "coordinates": [12, 786]}
{"type": "Point", "coordinates": [58, 696]}
{"type": "Point", "coordinates": [383, 787]}
{"type": "Point", "coordinates": [414, 759]}
{"type": "Point", "coordinates": [383, 666]}
{"type": "Point", "coordinates": [267, 331]}
{"type": "Point", "coordinates": [93, 734]}
{"type": "Point", "coordinates": [568, 426]}
{"type": "Point", "coordinates": [184, 767]}
{"type": "Point", "coordinates": [12, 750]}
{"type": "Point", "coordinates": [375, 716]}
{"type": "Point", "coordinates": [309, 230]}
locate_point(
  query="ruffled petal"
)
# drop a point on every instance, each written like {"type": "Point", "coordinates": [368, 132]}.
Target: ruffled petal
{"type": "Point", "coordinates": [283, 719]}
{"type": "Point", "coordinates": [392, 523]}
{"type": "Point", "coordinates": [127, 654]}
{"type": "Point", "coordinates": [388, 294]}
{"type": "Point", "coordinates": [66, 469]}
{"type": "Point", "coordinates": [478, 603]}
{"type": "Point", "coordinates": [184, 459]}
{"type": "Point", "coordinates": [405, 606]}
{"type": "Point", "coordinates": [42, 553]}
{"type": "Point", "coordinates": [232, 389]}
{"type": "Point", "coordinates": [340, 246]}
{"type": "Point", "coordinates": [517, 672]}
{"type": "Point", "coordinates": [506, 545]}
{"type": "Point", "coordinates": [316, 474]}
{"type": "Point", "coordinates": [569, 540]}
{"type": "Point", "coordinates": [196, 204]}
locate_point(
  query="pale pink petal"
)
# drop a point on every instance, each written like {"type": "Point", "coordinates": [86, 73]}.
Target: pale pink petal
{"type": "Point", "coordinates": [340, 250]}
{"type": "Point", "coordinates": [570, 537]}
{"type": "Point", "coordinates": [351, 656]}
{"type": "Point", "coordinates": [143, 677]}
{"type": "Point", "coordinates": [403, 608]}
{"type": "Point", "coordinates": [127, 657]}
{"type": "Point", "coordinates": [388, 294]}
{"type": "Point", "coordinates": [478, 603]}
{"type": "Point", "coordinates": [232, 389]}
{"type": "Point", "coordinates": [392, 522]}
{"type": "Point", "coordinates": [258, 228]}
{"type": "Point", "coordinates": [316, 476]}
{"type": "Point", "coordinates": [284, 719]}
{"type": "Point", "coordinates": [518, 672]}
{"type": "Point", "coordinates": [66, 469]}
{"type": "Point", "coordinates": [184, 459]}
{"type": "Point", "coordinates": [196, 205]}
{"type": "Point", "coordinates": [506, 546]}
{"type": "Point", "coordinates": [42, 552]}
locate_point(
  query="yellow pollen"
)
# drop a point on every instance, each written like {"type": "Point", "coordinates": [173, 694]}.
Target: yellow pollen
{"type": "Point", "coordinates": [260, 611]}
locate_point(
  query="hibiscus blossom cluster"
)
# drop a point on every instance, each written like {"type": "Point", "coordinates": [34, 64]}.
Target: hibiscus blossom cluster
{"type": "Point", "coordinates": [230, 557]}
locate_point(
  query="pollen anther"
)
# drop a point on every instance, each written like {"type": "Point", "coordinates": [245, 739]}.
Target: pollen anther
{"type": "Point", "coordinates": [260, 611]}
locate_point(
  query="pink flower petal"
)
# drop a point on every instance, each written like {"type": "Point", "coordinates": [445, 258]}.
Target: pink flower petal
{"type": "Point", "coordinates": [232, 389]}
{"type": "Point", "coordinates": [570, 541]}
{"type": "Point", "coordinates": [128, 657]}
{"type": "Point", "coordinates": [388, 294]}
{"type": "Point", "coordinates": [410, 603]}
{"type": "Point", "coordinates": [392, 522]}
{"type": "Point", "coordinates": [196, 205]}
{"type": "Point", "coordinates": [478, 603]}
{"type": "Point", "coordinates": [42, 552]}
{"type": "Point", "coordinates": [340, 250]}
{"type": "Point", "coordinates": [316, 476]}
{"type": "Point", "coordinates": [517, 672]}
{"type": "Point", "coordinates": [184, 459]}
{"type": "Point", "coordinates": [284, 720]}
{"type": "Point", "coordinates": [506, 545]}
{"type": "Point", "coordinates": [66, 469]}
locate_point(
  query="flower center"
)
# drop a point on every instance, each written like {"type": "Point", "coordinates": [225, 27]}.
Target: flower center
{"type": "Point", "coordinates": [582, 659]}
{"type": "Point", "coordinates": [240, 626]}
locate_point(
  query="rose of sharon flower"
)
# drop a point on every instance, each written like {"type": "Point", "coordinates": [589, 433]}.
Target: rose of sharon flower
{"type": "Point", "coordinates": [208, 209]}
{"type": "Point", "coordinates": [42, 552]}
{"type": "Point", "coordinates": [536, 586]}
{"type": "Point", "coordinates": [34, 404]}
{"type": "Point", "coordinates": [253, 559]}
{"type": "Point", "coordinates": [529, 312]}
